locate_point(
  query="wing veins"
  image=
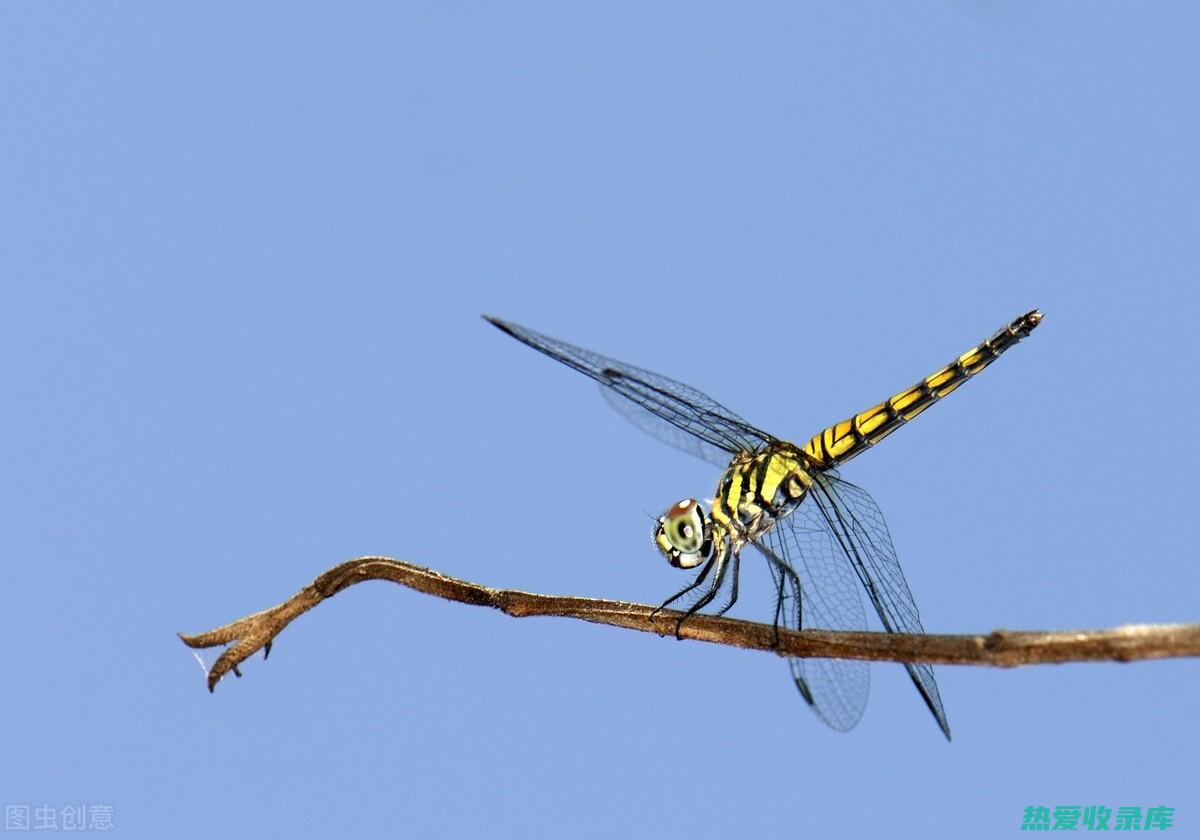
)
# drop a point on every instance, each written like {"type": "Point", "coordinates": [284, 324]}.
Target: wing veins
{"type": "Point", "coordinates": [883, 580]}
{"type": "Point", "coordinates": [653, 399]}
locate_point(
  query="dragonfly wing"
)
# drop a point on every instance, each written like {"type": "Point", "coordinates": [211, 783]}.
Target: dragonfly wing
{"type": "Point", "coordinates": [857, 525]}
{"type": "Point", "coordinates": [818, 589]}
{"type": "Point", "coordinates": [675, 413]}
{"type": "Point", "coordinates": [669, 433]}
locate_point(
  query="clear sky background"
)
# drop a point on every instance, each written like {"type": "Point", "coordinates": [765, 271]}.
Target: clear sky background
{"type": "Point", "coordinates": [244, 251]}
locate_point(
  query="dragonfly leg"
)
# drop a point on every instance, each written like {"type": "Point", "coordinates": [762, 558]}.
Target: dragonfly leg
{"type": "Point", "coordinates": [783, 574]}
{"type": "Point", "coordinates": [690, 587]}
{"type": "Point", "coordinates": [795, 579]}
{"type": "Point", "coordinates": [779, 595]}
{"type": "Point", "coordinates": [720, 567]}
{"type": "Point", "coordinates": [733, 585]}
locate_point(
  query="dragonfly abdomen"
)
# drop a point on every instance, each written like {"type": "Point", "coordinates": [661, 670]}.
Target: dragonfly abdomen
{"type": "Point", "coordinates": [842, 441]}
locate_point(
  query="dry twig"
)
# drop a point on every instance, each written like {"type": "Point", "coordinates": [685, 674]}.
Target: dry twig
{"type": "Point", "coordinates": [1003, 648]}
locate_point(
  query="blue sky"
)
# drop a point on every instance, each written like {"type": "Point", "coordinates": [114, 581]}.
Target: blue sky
{"type": "Point", "coordinates": [244, 252]}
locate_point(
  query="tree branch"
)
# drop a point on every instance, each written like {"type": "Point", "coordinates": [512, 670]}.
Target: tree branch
{"type": "Point", "coordinates": [1003, 648]}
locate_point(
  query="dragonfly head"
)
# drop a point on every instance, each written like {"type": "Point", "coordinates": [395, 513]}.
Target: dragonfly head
{"type": "Point", "coordinates": [684, 534]}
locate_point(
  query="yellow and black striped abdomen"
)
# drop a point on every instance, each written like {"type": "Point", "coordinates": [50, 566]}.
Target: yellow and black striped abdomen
{"type": "Point", "coordinates": [842, 441]}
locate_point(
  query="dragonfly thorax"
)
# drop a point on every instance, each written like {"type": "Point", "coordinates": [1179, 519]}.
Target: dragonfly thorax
{"type": "Point", "coordinates": [684, 534]}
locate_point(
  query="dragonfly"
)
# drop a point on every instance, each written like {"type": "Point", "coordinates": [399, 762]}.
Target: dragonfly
{"type": "Point", "coordinates": [824, 539]}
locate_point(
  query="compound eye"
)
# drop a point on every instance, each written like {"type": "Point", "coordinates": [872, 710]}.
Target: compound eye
{"type": "Point", "coordinates": [684, 526]}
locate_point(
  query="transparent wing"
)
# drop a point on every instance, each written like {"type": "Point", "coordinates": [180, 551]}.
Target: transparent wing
{"type": "Point", "coordinates": [673, 412]}
{"type": "Point", "coordinates": [818, 589]}
{"type": "Point", "coordinates": [669, 433]}
{"type": "Point", "coordinates": [857, 525]}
